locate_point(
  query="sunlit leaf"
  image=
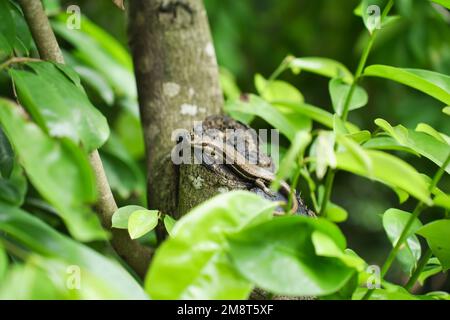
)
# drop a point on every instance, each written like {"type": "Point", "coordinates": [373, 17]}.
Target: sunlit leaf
{"type": "Point", "coordinates": [325, 246]}
{"type": "Point", "coordinates": [99, 50]}
{"type": "Point", "coordinates": [442, 200]}
{"type": "Point", "coordinates": [192, 263]}
{"type": "Point", "coordinates": [322, 66]}
{"type": "Point", "coordinates": [444, 3]}
{"type": "Point", "coordinates": [277, 90]}
{"type": "Point", "coordinates": [422, 143]}
{"type": "Point", "coordinates": [284, 121]}
{"type": "Point", "coordinates": [432, 83]}
{"type": "Point", "coordinates": [142, 222]}
{"type": "Point", "coordinates": [59, 105]}
{"type": "Point", "coordinates": [446, 110]}
{"type": "Point", "coordinates": [44, 240]}
{"type": "Point", "coordinates": [121, 216]}
{"type": "Point", "coordinates": [62, 175]}
{"type": "Point", "coordinates": [169, 223]}
{"type": "Point", "coordinates": [314, 113]}
{"type": "Point", "coordinates": [425, 128]}
{"type": "Point", "coordinates": [389, 170]}
{"type": "Point", "coordinates": [323, 153]}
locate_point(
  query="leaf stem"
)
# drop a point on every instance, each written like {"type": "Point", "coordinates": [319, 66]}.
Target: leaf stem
{"type": "Point", "coordinates": [362, 63]}
{"type": "Point", "coordinates": [422, 263]}
{"type": "Point", "coordinates": [327, 194]}
{"type": "Point", "coordinates": [417, 211]}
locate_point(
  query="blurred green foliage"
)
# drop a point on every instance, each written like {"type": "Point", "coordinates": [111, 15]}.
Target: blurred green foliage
{"type": "Point", "coordinates": [254, 36]}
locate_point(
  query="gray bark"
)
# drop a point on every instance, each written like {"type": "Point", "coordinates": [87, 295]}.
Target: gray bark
{"type": "Point", "coordinates": [178, 83]}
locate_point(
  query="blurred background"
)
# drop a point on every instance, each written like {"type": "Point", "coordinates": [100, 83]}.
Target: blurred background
{"type": "Point", "coordinates": [254, 36]}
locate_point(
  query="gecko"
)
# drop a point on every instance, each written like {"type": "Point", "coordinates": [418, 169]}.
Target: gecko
{"type": "Point", "coordinates": [229, 156]}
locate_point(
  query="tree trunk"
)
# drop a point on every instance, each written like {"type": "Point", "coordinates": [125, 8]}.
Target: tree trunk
{"type": "Point", "coordinates": [178, 84]}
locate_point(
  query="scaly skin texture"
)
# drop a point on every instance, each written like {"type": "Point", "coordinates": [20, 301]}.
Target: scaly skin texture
{"type": "Point", "coordinates": [226, 154]}
{"type": "Point", "coordinates": [228, 166]}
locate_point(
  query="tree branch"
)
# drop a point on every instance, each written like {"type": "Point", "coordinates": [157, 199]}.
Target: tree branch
{"type": "Point", "coordinates": [136, 255]}
{"type": "Point", "coordinates": [178, 84]}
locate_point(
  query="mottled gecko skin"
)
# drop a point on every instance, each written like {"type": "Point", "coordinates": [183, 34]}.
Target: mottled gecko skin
{"type": "Point", "coordinates": [214, 128]}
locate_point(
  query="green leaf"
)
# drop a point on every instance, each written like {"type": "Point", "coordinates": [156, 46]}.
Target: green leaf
{"type": "Point", "coordinates": [95, 81]}
{"type": "Point", "coordinates": [446, 110]}
{"type": "Point", "coordinates": [287, 166]}
{"type": "Point", "coordinates": [325, 246]}
{"type": "Point", "coordinates": [279, 256]}
{"type": "Point", "coordinates": [277, 90]}
{"type": "Point", "coordinates": [425, 128]}
{"type": "Point", "coordinates": [27, 282]}
{"type": "Point", "coordinates": [335, 213]}
{"type": "Point", "coordinates": [436, 234]}
{"type": "Point", "coordinates": [24, 41]}
{"type": "Point", "coordinates": [432, 268]}
{"type": "Point", "coordinates": [317, 114]}
{"type": "Point", "coordinates": [371, 13]}
{"type": "Point", "coordinates": [124, 174]}
{"type": "Point", "coordinates": [142, 222]}
{"type": "Point", "coordinates": [432, 83]}
{"type": "Point", "coordinates": [442, 200]}
{"type": "Point", "coordinates": [129, 131]}
{"type": "Point", "coordinates": [13, 190]}
{"type": "Point", "coordinates": [62, 175]}
{"type": "Point", "coordinates": [59, 106]}
{"type": "Point", "coordinates": [358, 152]}
{"type": "Point", "coordinates": [288, 124]}
{"type": "Point", "coordinates": [102, 52]}
{"type": "Point", "coordinates": [339, 91]}
{"type": "Point", "coordinates": [122, 215]}
{"type": "Point", "coordinates": [42, 239]}
{"type": "Point", "coordinates": [169, 223]}
{"type": "Point", "coordinates": [323, 153]}
{"type": "Point", "coordinates": [322, 66]}
{"type": "Point", "coordinates": [192, 263]}
{"type": "Point", "coordinates": [444, 3]}
{"type": "Point", "coordinates": [7, 29]}
{"type": "Point", "coordinates": [228, 83]}
{"type": "Point", "coordinates": [389, 170]}
{"type": "Point", "coordinates": [387, 143]}
{"type": "Point", "coordinates": [6, 156]}
{"type": "Point", "coordinates": [394, 221]}
{"type": "Point", "coordinates": [422, 143]}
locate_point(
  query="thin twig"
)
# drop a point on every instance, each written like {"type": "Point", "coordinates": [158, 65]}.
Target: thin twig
{"type": "Point", "coordinates": [14, 60]}
{"type": "Point", "coordinates": [135, 254]}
